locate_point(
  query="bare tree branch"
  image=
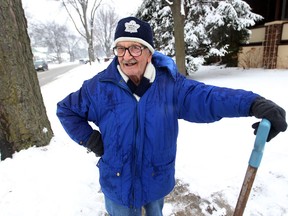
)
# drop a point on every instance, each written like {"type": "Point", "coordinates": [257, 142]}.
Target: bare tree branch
{"type": "Point", "coordinates": [81, 7]}
{"type": "Point", "coordinates": [74, 23]}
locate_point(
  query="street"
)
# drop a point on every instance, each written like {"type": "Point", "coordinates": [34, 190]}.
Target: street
{"type": "Point", "coordinates": [52, 74]}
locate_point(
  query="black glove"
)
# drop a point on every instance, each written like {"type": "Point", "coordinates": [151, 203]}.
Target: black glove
{"type": "Point", "coordinates": [95, 143]}
{"type": "Point", "coordinates": [262, 108]}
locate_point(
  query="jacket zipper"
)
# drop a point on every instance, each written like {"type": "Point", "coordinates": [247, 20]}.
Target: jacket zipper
{"type": "Point", "coordinates": [134, 159]}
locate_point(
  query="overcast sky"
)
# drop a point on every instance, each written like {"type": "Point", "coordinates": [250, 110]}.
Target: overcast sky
{"type": "Point", "coordinates": [50, 10]}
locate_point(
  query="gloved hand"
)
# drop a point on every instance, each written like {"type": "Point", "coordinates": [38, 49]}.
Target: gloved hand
{"type": "Point", "coordinates": [262, 108]}
{"type": "Point", "coordinates": [95, 143]}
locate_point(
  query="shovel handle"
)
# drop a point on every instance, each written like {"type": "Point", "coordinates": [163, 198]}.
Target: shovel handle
{"type": "Point", "coordinates": [259, 144]}
{"type": "Point", "coordinates": [254, 162]}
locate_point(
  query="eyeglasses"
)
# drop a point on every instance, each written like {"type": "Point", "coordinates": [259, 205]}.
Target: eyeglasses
{"type": "Point", "coordinates": [133, 50]}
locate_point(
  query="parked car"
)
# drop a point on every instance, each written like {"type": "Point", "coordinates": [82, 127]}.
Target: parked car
{"type": "Point", "coordinates": [83, 61]}
{"type": "Point", "coordinates": [40, 65]}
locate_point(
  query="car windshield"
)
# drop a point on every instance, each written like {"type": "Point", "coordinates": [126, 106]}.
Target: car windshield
{"type": "Point", "coordinates": [38, 62]}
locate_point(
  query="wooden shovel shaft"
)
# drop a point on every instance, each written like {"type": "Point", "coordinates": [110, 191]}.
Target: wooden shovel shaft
{"type": "Point", "coordinates": [254, 162]}
{"type": "Point", "coordinates": [245, 191]}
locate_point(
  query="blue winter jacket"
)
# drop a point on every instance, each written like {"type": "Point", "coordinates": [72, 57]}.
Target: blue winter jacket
{"type": "Point", "coordinates": [140, 138]}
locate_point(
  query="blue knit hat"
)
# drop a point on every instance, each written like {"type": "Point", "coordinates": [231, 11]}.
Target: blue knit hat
{"type": "Point", "coordinates": [133, 29]}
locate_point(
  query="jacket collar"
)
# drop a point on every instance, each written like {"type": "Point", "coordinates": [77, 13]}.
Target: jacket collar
{"type": "Point", "coordinates": [111, 72]}
{"type": "Point", "coordinates": [149, 73]}
{"type": "Point", "coordinates": [160, 60]}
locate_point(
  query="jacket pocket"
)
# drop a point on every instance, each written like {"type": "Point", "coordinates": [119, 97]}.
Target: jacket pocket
{"type": "Point", "coordinates": [159, 180]}
{"type": "Point", "coordinates": [163, 172]}
{"type": "Point", "coordinates": [111, 180]}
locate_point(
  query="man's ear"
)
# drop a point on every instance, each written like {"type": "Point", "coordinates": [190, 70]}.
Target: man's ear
{"type": "Point", "coordinates": [150, 57]}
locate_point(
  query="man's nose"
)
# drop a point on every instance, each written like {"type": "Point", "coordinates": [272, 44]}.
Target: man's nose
{"type": "Point", "coordinates": [127, 54]}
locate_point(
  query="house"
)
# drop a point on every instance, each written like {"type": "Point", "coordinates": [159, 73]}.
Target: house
{"type": "Point", "coordinates": [268, 43]}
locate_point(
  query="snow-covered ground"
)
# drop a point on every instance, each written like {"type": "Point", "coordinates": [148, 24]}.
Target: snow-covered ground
{"type": "Point", "coordinates": [61, 179]}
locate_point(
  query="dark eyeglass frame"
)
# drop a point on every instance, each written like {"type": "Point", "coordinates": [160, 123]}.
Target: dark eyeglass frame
{"type": "Point", "coordinates": [141, 48]}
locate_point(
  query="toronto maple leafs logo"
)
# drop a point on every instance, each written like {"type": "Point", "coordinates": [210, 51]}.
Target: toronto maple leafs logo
{"type": "Point", "coordinates": [131, 27]}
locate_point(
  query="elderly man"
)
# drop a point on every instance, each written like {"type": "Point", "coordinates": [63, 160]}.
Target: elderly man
{"type": "Point", "coordinates": [136, 103]}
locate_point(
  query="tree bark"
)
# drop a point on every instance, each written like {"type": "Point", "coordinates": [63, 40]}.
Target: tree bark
{"type": "Point", "coordinates": [179, 19]}
{"type": "Point", "coordinates": [23, 119]}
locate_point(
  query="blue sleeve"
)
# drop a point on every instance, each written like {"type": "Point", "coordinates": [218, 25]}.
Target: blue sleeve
{"type": "Point", "coordinates": [73, 113]}
{"type": "Point", "coordinates": [198, 102]}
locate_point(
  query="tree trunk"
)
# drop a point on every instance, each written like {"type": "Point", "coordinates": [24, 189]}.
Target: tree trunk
{"type": "Point", "coordinates": [23, 119]}
{"type": "Point", "coordinates": [179, 19]}
{"type": "Point", "coordinates": [91, 52]}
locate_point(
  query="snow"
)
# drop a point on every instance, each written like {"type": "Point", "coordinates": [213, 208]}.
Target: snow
{"type": "Point", "coordinates": [61, 179]}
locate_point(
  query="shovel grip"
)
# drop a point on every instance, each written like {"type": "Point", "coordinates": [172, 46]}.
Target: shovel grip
{"type": "Point", "coordinates": [260, 140]}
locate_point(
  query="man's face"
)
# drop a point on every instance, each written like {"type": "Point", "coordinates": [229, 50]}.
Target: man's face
{"type": "Point", "coordinates": [134, 67]}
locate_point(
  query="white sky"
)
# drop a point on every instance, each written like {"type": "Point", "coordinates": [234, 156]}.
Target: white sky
{"type": "Point", "coordinates": [43, 10]}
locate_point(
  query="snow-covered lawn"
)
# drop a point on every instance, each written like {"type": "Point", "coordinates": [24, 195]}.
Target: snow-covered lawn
{"type": "Point", "coordinates": [61, 179]}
